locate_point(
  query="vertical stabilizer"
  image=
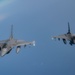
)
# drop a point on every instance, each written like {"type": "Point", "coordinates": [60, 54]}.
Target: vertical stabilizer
{"type": "Point", "coordinates": [69, 28]}
{"type": "Point", "coordinates": [11, 35]}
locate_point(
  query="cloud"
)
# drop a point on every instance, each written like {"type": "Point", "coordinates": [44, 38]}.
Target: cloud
{"type": "Point", "coordinates": [5, 2]}
{"type": "Point", "coordinates": [2, 17]}
{"type": "Point", "coordinates": [4, 14]}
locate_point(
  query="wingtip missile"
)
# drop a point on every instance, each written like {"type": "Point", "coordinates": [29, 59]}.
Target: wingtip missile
{"type": "Point", "coordinates": [33, 43]}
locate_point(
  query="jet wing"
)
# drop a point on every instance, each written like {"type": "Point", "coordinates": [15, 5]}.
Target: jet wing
{"type": "Point", "coordinates": [20, 43]}
{"type": "Point", "coordinates": [24, 43]}
{"type": "Point", "coordinates": [64, 36]}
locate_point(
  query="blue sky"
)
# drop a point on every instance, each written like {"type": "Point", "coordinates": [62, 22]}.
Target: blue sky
{"type": "Point", "coordinates": [38, 20]}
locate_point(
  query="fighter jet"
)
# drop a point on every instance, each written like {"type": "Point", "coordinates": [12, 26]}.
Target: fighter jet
{"type": "Point", "coordinates": [7, 45]}
{"type": "Point", "coordinates": [68, 36]}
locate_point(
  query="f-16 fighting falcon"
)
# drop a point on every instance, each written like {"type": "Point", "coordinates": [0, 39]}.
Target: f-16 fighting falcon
{"type": "Point", "coordinates": [7, 45]}
{"type": "Point", "coordinates": [68, 36]}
